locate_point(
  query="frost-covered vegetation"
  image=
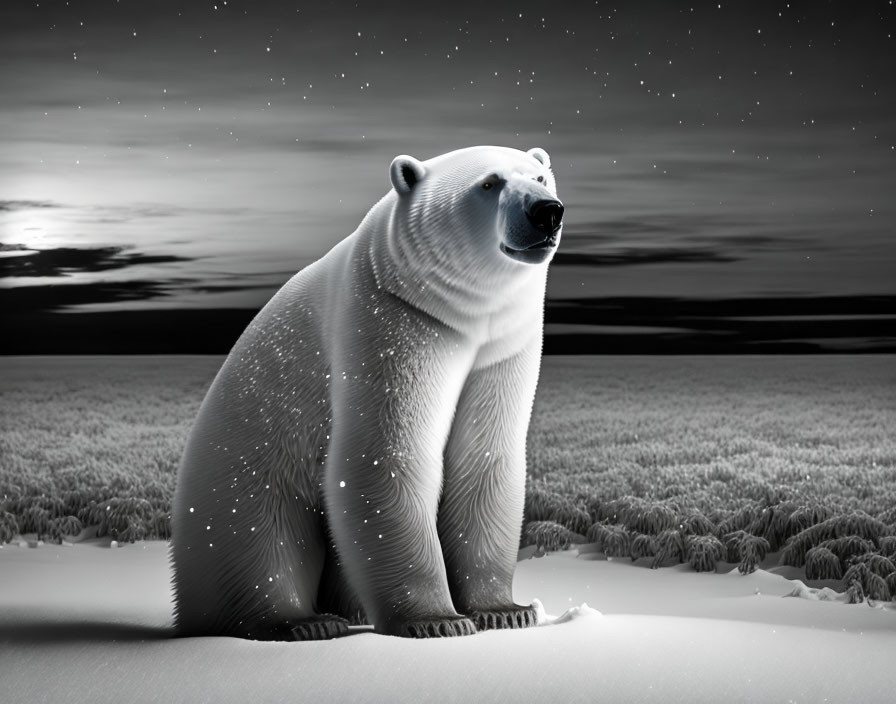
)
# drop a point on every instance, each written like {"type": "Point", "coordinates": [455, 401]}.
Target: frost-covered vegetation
{"type": "Point", "coordinates": [94, 442]}
{"type": "Point", "coordinates": [709, 460]}
{"type": "Point", "coordinates": [670, 460]}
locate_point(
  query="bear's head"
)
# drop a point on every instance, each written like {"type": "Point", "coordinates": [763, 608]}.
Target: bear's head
{"type": "Point", "coordinates": [482, 204]}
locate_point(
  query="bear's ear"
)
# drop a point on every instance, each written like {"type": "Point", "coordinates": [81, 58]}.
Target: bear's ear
{"type": "Point", "coordinates": [405, 172]}
{"type": "Point", "coordinates": [541, 155]}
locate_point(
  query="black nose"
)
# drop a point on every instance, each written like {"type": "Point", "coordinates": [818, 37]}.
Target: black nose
{"type": "Point", "coordinates": [545, 215]}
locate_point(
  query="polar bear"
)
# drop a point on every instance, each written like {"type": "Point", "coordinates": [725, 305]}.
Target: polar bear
{"type": "Point", "coordinates": [361, 453]}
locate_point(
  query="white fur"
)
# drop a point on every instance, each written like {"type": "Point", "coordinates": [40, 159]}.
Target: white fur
{"type": "Point", "coordinates": [384, 395]}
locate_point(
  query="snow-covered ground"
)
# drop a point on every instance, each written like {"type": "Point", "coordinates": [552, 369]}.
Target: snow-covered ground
{"type": "Point", "coordinates": [86, 623]}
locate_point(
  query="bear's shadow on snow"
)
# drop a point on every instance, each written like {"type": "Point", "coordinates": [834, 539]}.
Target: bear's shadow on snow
{"type": "Point", "coordinates": [46, 631]}
{"type": "Point", "coordinates": [43, 630]}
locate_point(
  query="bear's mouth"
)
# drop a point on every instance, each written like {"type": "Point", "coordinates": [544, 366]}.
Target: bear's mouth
{"type": "Point", "coordinates": [535, 253]}
{"type": "Point", "coordinates": [549, 243]}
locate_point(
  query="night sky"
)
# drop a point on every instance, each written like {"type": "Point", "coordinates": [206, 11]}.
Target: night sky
{"type": "Point", "coordinates": [193, 155]}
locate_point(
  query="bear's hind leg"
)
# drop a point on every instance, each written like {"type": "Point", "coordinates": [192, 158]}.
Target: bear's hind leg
{"type": "Point", "coordinates": [335, 595]}
{"type": "Point", "coordinates": [257, 576]}
{"type": "Point", "coordinates": [282, 606]}
{"type": "Point", "coordinates": [291, 610]}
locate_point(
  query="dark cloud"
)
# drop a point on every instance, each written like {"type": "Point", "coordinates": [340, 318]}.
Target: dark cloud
{"type": "Point", "coordinates": [609, 310]}
{"type": "Point", "coordinates": [55, 297]}
{"type": "Point", "coordinates": [228, 288]}
{"type": "Point", "coordinates": [608, 230]}
{"type": "Point", "coordinates": [755, 242]}
{"type": "Point", "coordinates": [670, 239]}
{"type": "Point", "coordinates": [633, 257]}
{"type": "Point", "coordinates": [738, 325]}
{"type": "Point", "coordinates": [66, 261]}
{"type": "Point", "coordinates": [13, 205]}
{"type": "Point", "coordinates": [642, 325]}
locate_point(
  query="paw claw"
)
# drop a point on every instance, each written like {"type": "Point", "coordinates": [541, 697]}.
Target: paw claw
{"type": "Point", "coordinates": [513, 616]}
{"type": "Point", "coordinates": [436, 627]}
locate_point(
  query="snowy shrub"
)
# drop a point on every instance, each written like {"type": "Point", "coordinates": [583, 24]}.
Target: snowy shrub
{"type": "Point", "coordinates": [636, 514]}
{"type": "Point", "coordinates": [134, 531]}
{"type": "Point", "coordinates": [855, 593]}
{"type": "Point", "coordinates": [848, 546]}
{"type": "Point", "coordinates": [155, 491]}
{"type": "Point", "coordinates": [704, 551]}
{"type": "Point", "coordinates": [75, 500]}
{"type": "Point", "coordinates": [794, 553]}
{"type": "Point", "coordinates": [161, 524]}
{"type": "Point", "coordinates": [878, 564]}
{"type": "Point", "coordinates": [745, 519]}
{"type": "Point", "coordinates": [53, 505]}
{"type": "Point", "coordinates": [643, 546]}
{"type": "Point", "coordinates": [612, 540]}
{"type": "Point", "coordinates": [821, 563]}
{"type": "Point", "coordinates": [541, 503]}
{"type": "Point", "coordinates": [596, 532]}
{"type": "Point", "coordinates": [93, 514]}
{"type": "Point", "coordinates": [62, 527]}
{"type": "Point", "coordinates": [888, 546]}
{"type": "Point", "coordinates": [603, 511]}
{"type": "Point", "coordinates": [125, 519]}
{"type": "Point", "coordinates": [16, 501]}
{"type": "Point", "coordinates": [695, 523]}
{"type": "Point", "coordinates": [807, 516]}
{"type": "Point", "coordinates": [873, 585]}
{"type": "Point", "coordinates": [732, 544]}
{"type": "Point", "coordinates": [35, 520]}
{"type": "Point", "coordinates": [891, 584]}
{"type": "Point", "coordinates": [9, 526]}
{"type": "Point", "coordinates": [650, 518]}
{"type": "Point", "coordinates": [548, 536]}
{"type": "Point", "coordinates": [670, 545]}
{"type": "Point", "coordinates": [888, 515]}
{"type": "Point", "coordinates": [617, 542]}
{"type": "Point", "coordinates": [859, 523]}
{"type": "Point", "coordinates": [850, 534]}
{"type": "Point", "coordinates": [776, 495]}
{"type": "Point", "coordinates": [747, 550]}
{"type": "Point", "coordinates": [576, 519]}
{"type": "Point", "coordinates": [773, 523]}
{"type": "Point", "coordinates": [674, 491]}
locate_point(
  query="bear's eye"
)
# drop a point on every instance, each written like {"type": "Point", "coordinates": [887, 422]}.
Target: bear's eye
{"type": "Point", "coordinates": [541, 179]}
{"type": "Point", "coordinates": [491, 181]}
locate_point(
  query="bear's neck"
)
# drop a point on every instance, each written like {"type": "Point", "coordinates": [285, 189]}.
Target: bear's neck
{"type": "Point", "coordinates": [463, 296]}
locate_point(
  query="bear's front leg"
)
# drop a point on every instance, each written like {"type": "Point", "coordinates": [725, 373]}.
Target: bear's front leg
{"type": "Point", "coordinates": [393, 398]}
{"type": "Point", "coordinates": [481, 512]}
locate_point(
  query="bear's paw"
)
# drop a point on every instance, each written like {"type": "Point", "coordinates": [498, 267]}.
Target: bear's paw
{"type": "Point", "coordinates": [321, 627]}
